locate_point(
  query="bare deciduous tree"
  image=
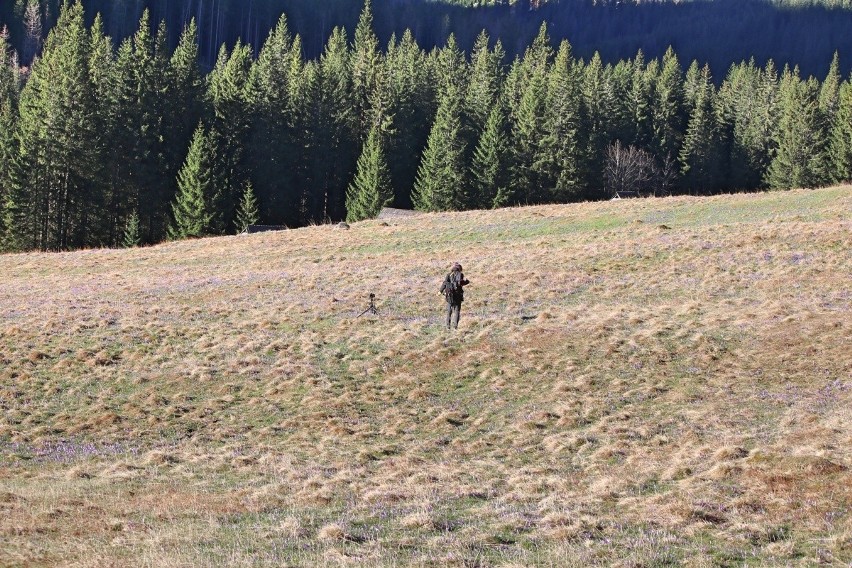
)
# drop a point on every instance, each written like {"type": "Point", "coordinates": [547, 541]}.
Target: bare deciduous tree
{"type": "Point", "coordinates": [628, 169]}
{"type": "Point", "coordinates": [666, 176]}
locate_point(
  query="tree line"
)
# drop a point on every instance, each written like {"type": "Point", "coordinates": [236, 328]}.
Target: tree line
{"type": "Point", "coordinates": [106, 146]}
{"type": "Point", "coordinates": [719, 32]}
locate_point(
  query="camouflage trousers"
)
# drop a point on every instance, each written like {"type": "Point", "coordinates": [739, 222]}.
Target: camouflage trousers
{"type": "Point", "coordinates": [453, 314]}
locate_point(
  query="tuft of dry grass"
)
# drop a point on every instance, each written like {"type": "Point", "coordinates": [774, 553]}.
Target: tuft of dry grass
{"type": "Point", "coordinates": [634, 383]}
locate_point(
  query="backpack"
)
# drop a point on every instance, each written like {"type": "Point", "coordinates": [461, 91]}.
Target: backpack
{"type": "Point", "coordinates": [452, 288]}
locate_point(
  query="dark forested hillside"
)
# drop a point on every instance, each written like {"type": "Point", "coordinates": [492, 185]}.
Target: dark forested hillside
{"type": "Point", "coordinates": [106, 143]}
{"type": "Point", "coordinates": [719, 32]}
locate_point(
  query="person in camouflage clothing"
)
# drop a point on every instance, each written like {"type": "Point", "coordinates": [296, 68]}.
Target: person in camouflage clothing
{"type": "Point", "coordinates": [453, 291]}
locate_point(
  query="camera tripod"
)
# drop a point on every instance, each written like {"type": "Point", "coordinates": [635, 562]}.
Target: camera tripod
{"type": "Point", "coordinates": [372, 307]}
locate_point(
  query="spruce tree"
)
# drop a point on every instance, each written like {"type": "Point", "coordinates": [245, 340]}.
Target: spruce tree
{"type": "Point", "coordinates": [112, 151]}
{"type": "Point", "coordinates": [668, 117]}
{"type": "Point", "coordinates": [192, 208]}
{"type": "Point", "coordinates": [229, 131]}
{"type": "Point", "coordinates": [163, 155]}
{"type": "Point", "coordinates": [303, 80]}
{"type": "Point", "coordinates": [440, 184]}
{"type": "Point", "coordinates": [539, 54]}
{"type": "Point", "coordinates": [560, 157]}
{"type": "Point", "coordinates": [116, 89]}
{"type": "Point", "coordinates": [10, 157]}
{"type": "Point", "coordinates": [622, 126]}
{"type": "Point", "coordinates": [332, 132]}
{"type": "Point", "coordinates": [144, 102]}
{"type": "Point", "coordinates": [483, 86]}
{"type": "Point", "coordinates": [746, 108]}
{"type": "Point", "coordinates": [247, 211]}
{"type": "Point", "coordinates": [33, 27]}
{"type": "Point", "coordinates": [530, 183]}
{"type": "Point", "coordinates": [641, 104]}
{"type": "Point", "coordinates": [132, 236]}
{"type": "Point", "coordinates": [365, 61]}
{"type": "Point", "coordinates": [800, 157]}
{"type": "Point", "coordinates": [512, 87]}
{"type": "Point", "coordinates": [488, 169]}
{"type": "Point", "coordinates": [693, 87]}
{"type": "Point", "coordinates": [371, 189]}
{"type": "Point", "coordinates": [451, 67]}
{"type": "Point", "coordinates": [595, 111]}
{"type": "Point", "coordinates": [411, 106]}
{"type": "Point", "coordinates": [481, 98]}
{"type": "Point", "coordinates": [841, 135]}
{"type": "Point", "coordinates": [57, 132]}
{"type": "Point", "coordinates": [271, 142]}
{"type": "Point", "coordinates": [9, 86]}
{"type": "Point", "coordinates": [700, 155]}
{"type": "Point", "coordinates": [829, 101]}
{"type": "Point", "coordinates": [830, 89]}
{"type": "Point", "coordinates": [185, 105]}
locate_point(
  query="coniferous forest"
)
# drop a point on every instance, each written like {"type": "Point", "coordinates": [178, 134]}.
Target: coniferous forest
{"type": "Point", "coordinates": [108, 142]}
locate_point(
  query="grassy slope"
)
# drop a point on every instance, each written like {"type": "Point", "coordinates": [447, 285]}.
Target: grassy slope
{"type": "Point", "coordinates": [639, 382]}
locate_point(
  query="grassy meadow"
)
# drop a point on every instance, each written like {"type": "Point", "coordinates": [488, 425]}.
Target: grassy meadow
{"type": "Point", "coordinates": [654, 382]}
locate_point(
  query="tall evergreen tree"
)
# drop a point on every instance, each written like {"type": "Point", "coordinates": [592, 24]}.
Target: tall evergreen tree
{"type": "Point", "coordinates": [115, 90]}
{"type": "Point", "coordinates": [9, 91]}
{"type": "Point", "coordinates": [529, 178]}
{"type": "Point", "coordinates": [57, 110]}
{"type": "Point", "coordinates": [366, 60]}
{"type": "Point", "coordinates": [194, 203]}
{"type": "Point", "coordinates": [371, 189]}
{"type": "Point", "coordinates": [700, 155]}
{"type": "Point", "coordinates": [132, 234]}
{"type": "Point", "coordinates": [483, 86]}
{"type": "Point", "coordinates": [561, 158]}
{"type": "Point", "coordinates": [33, 27]}
{"type": "Point", "coordinates": [668, 116]}
{"type": "Point", "coordinates": [104, 226]}
{"type": "Point", "coordinates": [185, 108]}
{"type": "Point", "coordinates": [622, 121]}
{"type": "Point", "coordinates": [641, 101]}
{"type": "Point", "coordinates": [800, 158]}
{"type": "Point", "coordinates": [229, 131]}
{"type": "Point", "coordinates": [489, 181]}
{"type": "Point", "coordinates": [332, 132]}
{"type": "Point", "coordinates": [830, 89]}
{"type": "Point", "coordinates": [145, 107]}
{"type": "Point", "coordinates": [596, 109]}
{"type": "Point", "coordinates": [412, 107]}
{"type": "Point", "coordinates": [271, 139]}
{"type": "Point", "coordinates": [303, 80]}
{"type": "Point", "coordinates": [746, 107]}
{"type": "Point", "coordinates": [247, 211]}
{"type": "Point", "coordinates": [451, 67]}
{"type": "Point", "coordinates": [829, 101]}
{"type": "Point", "coordinates": [440, 184]}
{"type": "Point", "coordinates": [841, 135]}
{"type": "Point", "coordinates": [537, 57]}
{"type": "Point", "coordinates": [693, 87]}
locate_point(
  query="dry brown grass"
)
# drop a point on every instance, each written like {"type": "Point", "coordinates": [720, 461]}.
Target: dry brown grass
{"type": "Point", "coordinates": [636, 383]}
